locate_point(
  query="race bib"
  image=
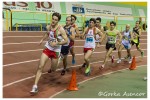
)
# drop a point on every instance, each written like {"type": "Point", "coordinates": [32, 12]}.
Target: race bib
{"type": "Point", "coordinates": [111, 39]}
{"type": "Point", "coordinates": [89, 39]}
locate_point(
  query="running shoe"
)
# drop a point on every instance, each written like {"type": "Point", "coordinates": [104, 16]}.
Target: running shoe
{"type": "Point", "coordinates": [88, 69]}
{"type": "Point", "coordinates": [118, 61]}
{"type": "Point", "coordinates": [142, 54]}
{"type": "Point", "coordinates": [101, 67]}
{"type": "Point", "coordinates": [34, 90]}
{"type": "Point", "coordinates": [63, 72]}
{"type": "Point", "coordinates": [130, 60]}
{"type": "Point", "coordinates": [84, 64]}
{"type": "Point", "coordinates": [49, 71]}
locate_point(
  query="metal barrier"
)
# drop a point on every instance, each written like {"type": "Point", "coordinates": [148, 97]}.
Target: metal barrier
{"type": "Point", "coordinates": [6, 21]}
{"type": "Point", "coordinates": [34, 13]}
{"type": "Point", "coordinates": [28, 24]}
{"type": "Point", "coordinates": [121, 21]}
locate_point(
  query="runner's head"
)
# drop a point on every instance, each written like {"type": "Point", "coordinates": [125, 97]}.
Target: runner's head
{"type": "Point", "coordinates": [68, 20]}
{"type": "Point", "coordinates": [73, 18]}
{"type": "Point", "coordinates": [137, 24]}
{"type": "Point", "coordinates": [55, 18]}
{"type": "Point", "coordinates": [112, 25]}
{"type": "Point", "coordinates": [98, 21]}
{"type": "Point", "coordinates": [92, 22]}
{"type": "Point", "coordinates": [127, 27]}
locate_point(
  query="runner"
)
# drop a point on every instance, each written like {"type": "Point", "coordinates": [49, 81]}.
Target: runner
{"type": "Point", "coordinates": [89, 46]}
{"type": "Point", "coordinates": [65, 48]}
{"type": "Point", "coordinates": [99, 26]}
{"type": "Point", "coordinates": [73, 19]}
{"type": "Point", "coordinates": [55, 33]}
{"type": "Point", "coordinates": [136, 37]}
{"type": "Point", "coordinates": [126, 40]}
{"type": "Point", "coordinates": [111, 41]}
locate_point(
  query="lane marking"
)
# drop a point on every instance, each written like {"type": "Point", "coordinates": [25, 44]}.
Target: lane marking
{"type": "Point", "coordinates": [41, 50]}
{"type": "Point", "coordinates": [23, 79]}
{"type": "Point", "coordinates": [43, 42]}
{"type": "Point", "coordinates": [94, 78]}
{"type": "Point", "coordinates": [68, 55]}
{"type": "Point", "coordinates": [28, 36]}
{"type": "Point", "coordinates": [21, 36]}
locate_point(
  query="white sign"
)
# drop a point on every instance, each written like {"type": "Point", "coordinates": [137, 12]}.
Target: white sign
{"type": "Point", "coordinates": [95, 9]}
{"type": "Point", "coordinates": [142, 14]}
{"type": "Point", "coordinates": [34, 6]}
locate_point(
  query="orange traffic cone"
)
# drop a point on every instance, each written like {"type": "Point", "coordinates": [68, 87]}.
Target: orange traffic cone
{"type": "Point", "coordinates": [73, 85]}
{"type": "Point", "coordinates": [133, 64]}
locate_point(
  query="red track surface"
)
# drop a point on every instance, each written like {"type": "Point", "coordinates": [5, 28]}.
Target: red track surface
{"type": "Point", "coordinates": [49, 84]}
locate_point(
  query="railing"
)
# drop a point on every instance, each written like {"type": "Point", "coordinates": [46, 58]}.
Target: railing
{"type": "Point", "coordinates": [121, 21]}
{"type": "Point", "coordinates": [28, 24]}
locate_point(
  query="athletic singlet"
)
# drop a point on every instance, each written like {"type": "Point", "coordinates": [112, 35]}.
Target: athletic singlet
{"type": "Point", "coordinates": [53, 36]}
{"type": "Point", "coordinates": [69, 33]}
{"type": "Point", "coordinates": [90, 40]}
{"type": "Point", "coordinates": [112, 36]}
{"type": "Point", "coordinates": [136, 38]}
{"type": "Point", "coordinates": [126, 38]}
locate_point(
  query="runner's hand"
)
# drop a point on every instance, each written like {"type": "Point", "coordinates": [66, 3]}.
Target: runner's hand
{"type": "Point", "coordinates": [53, 43]}
{"type": "Point", "coordinates": [118, 43]}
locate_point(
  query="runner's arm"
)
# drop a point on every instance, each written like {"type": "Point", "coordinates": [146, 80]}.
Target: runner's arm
{"type": "Point", "coordinates": [83, 34]}
{"type": "Point", "coordinates": [131, 34]}
{"type": "Point", "coordinates": [99, 32]}
{"type": "Point", "coordinates": [103, 36]}
{"type": "Point", "coordinates": [77, 31]}
{"type": "Point", "coordinates": [120, 37]}
{"type": "Point", "coordinates": [64, 36]}
{"type": "Point", "coordinates": [72, 36]}
{"type": "Point", "coordinates": [140, 32]}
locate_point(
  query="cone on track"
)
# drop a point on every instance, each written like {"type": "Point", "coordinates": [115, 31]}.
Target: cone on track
{"type": "Point", "coordinates": [133, 64]}
{"type": "Point", "coordinates": [73, 84]}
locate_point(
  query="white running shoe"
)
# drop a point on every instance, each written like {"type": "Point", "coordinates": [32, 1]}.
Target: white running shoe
{"type": "Point", "coordinates": [130, 61]}
{"type": "Point", "coordinates": [34, 89]}
{"type": "Point", "coordinates": [118, 61]}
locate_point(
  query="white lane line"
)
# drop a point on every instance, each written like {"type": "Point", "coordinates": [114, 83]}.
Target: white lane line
{"type": "Point", "coordinates": [36, 50]}
{"type": "Point", "coordinates": [42, 49]}
{"type": "Point", "coordinates": [94, 78]}
{"type": "Point", "coordinates": [43, 42]}
{"type": "Point", "coordinates": [21, 62]}
{"type": "Point", "coordinates": [23, 31]}
{"type": "Point", "coordinates": [68, 55]}
{"type": "Point", "coordinates": [21, 43]}
{"type": "Point", "coordinates": [22, 36]}
{"type": "Point", "coordinates": [6, 85]}
{"type": "Point", "coordinates": [22, 51]}
{"type": "Point", "coordinates": [28, 36]}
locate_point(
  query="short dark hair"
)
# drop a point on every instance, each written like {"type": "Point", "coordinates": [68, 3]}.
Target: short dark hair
{"type": "Point", "coordinates": [68, 17]}
{"type": "Point", "coordinates": [57, 15]}
{"type": "Point", "coordinates": [138, 21]}
{"type": "Point", "coordinates": [113, 22]}
{"type": "Point", "coordinates": [74, 16]}
{"type": "Point", "coordinates": [93, 19]}
{"type": "Point", "coordinates": [98, 18]}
